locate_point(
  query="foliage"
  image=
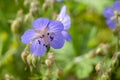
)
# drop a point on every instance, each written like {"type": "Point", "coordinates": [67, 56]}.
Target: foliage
{"type": "Point", "coordinates": [92, 41]}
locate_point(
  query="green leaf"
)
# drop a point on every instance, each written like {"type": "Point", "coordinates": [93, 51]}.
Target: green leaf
{"type": "Point", "coordinates": [65, 54]}
{"type": "Point", "coordinates": [83, 69]}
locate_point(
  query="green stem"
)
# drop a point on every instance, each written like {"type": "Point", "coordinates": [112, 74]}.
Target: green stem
{"type": "Point", "coordinates": [117, 45]}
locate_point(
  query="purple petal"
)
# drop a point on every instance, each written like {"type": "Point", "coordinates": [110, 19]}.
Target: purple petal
{"type": "Point", "coordinates": [111, 23]}
{"type": "Point", "coordinates": [40, 23]}
{"type": "Point", "coordinates": [57, 41]}
{"type": "Point", "coordinates": [59, 0]}
{"type": "Point", "coordinates": [62, 12]}
{"type": "Point", "coordinates": [64, 18]}
{"type": "Point", "coordinates": [38, 48]}
{"type": "Point", "coordinates": [55, 26]}
{"type": "Point", "coordinates": [116, 5]}
{"type": "Point", "coordinates": [28, 36]}
{"type": "Point", "coordinates": [109, 12]}
{"type": "Point", "coordinates": [66, 22]}
{"type": "Point", "coordinates": [66, 35]}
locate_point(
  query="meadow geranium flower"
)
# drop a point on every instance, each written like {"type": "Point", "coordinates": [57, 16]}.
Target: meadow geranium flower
{"type": "Point", "coordinates": [45, 33]}
{"type": "Point", "coordinates": [65, 20]}
{"type": "Point", "coordinates": [112, 13]}
{"type": "Point", "coordinates": [59, 0]}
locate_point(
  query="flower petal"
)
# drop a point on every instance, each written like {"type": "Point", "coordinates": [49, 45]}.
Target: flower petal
{"type": "Point", "coordinates": [111, 23]}
{"type": "Point", "coordinates": [109, 12]}
{"type": "Point", "coordinates": [55, 26]}
{"type": "Point", "coordinates": [66, 35]}
{"type": "Point", "coordinates": [28, 36]}
{"type": "Point", "coordinates": [38, 48]}
{"type": "Point", "coordinates": [40, 23]}
{"type": "Point", "coordinates": [59, 0]}
{"type": "Point", "coordinates": [64, 18]}
{"type": "Point", "coordinates": [116, 5]}
{"type": "Point", "coordinates": [62, 12]}
{"type": "Point", "coordinates": [57, 41]}
{"type": "Point", "coordinates": [66, 22]}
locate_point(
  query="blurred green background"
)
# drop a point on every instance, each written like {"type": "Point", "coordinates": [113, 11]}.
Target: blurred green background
{"type": "Point", "coordinates": [92, 40]}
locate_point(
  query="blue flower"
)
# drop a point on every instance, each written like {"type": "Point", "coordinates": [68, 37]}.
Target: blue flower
{"type": "Point", "coordinates": [65, 20]}
{"type": "Point", "coordinates": [111, 13]}
{"type": "Point", "coordinates": [59, 0]}
{"type": "Point", "coordinates": [45, 33]}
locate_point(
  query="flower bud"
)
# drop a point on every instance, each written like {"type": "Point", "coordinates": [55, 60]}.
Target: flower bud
{"type": "Point", "coordinates": [28, 18]}
{"type": "Point", "coordinates": [20, 12]}
{"type": "Point", "coordinates": [48, 62]}
{"type": "Point", "coordinates": [51, 56]}
{"type": "Point", "coordinates": [105, 77]}
{"type": "Point", "coordinates": [34, 60]}
{"type": "Point", "coordinates": [92, 54]}
{"type": "Point", "coordinates": [114, 63]}
{"type": "Point", "coordinates": [98, 67]}
{"type": "Point", "coordinates": [109, 70]}
{"type": "Point", "coordinates": [59, 72]}
{"type": "Point", "coordinates": [34, 7]}
{"type": "Point", "coordinates": [44, 6]}
{"type": "Point", "coordinates": [8, 77]}
{"type": "Point", "coordinates": [29, 60]}
{"type": "Point", "coordinates": [98, 51]}
{"type": "Point", "coordinates": [103, 49]}
{"type": "Point", "coordinates": [24, 56]}
{"type": "Point", "coordinates": [48, 3]}
{"type": "Point", "coordinates": [115, 59]}
{"type": "Point", "coordinates": [27, 2]}
{"type": "Point", "coordinates": [48, 73]}
{"type": "Point", "coordinates": [16, 24]}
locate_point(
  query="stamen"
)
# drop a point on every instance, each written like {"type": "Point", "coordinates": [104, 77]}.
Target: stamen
{"type": "Point", "coordinates": [39, 42]}
{"type": "Point", "coordinates": [42, 36]}
{"type": "Point", "coordinates": [48, 33]}
{"type": "Point", "coordinates": [51, 38]}
{"type": "Point", "coordinates": [44, 45]}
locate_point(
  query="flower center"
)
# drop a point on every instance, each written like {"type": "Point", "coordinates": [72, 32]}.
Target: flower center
{"type": "Point", "coordinates": [45, 35]}
{"type": "Point", "coordinates": [116, 15]}
{"type": "Point", "coordinates": [60, 19]}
